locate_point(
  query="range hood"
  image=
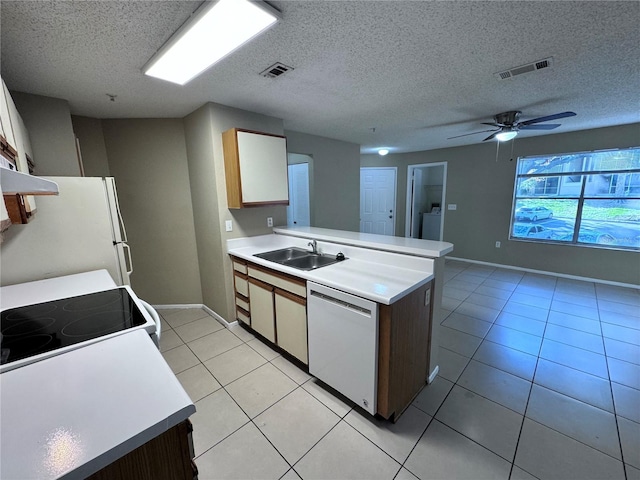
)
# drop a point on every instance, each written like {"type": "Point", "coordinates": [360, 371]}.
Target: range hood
{"type": "Point", "coordinates": [13, 182]}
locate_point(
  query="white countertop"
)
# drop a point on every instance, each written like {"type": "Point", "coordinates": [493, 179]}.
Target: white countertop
{"type": "Point", "coordinates": [70, 415]}
{"type": "Point", "coordinates": [39, 291]}
{"type": "Point", "coordinates": [409, 246]}
{"type": "Point", "coordinates": [383, 277]}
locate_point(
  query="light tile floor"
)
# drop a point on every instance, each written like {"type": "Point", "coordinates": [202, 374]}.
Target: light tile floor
{"type": "Point", "coordinates": [539, 378]}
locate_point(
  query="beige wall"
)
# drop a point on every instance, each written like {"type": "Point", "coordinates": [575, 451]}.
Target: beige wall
{"type": "Point", "coordinates": [336, 180]}
{"type": "Point", "coordinates": [203, 133]}
{"type": "Point", "coordinates": [93, 150]}
{"type": "Point", "coordinates": [148, 159]}
{"type": "Point", "coordinates": [482, 188]}
{"type": "Point", "coordinates": [48, 121]}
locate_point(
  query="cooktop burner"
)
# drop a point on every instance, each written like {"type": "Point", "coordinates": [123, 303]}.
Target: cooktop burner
{"type": "Point", "coordinates": [35, 329]}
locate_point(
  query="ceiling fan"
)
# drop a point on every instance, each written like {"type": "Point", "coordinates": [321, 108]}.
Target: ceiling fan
{"type": "Point", "coordinates": [509, 126]}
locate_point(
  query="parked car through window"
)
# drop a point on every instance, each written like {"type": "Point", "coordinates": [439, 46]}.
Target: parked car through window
{"type": "Point", "coordinates": [586, 198]}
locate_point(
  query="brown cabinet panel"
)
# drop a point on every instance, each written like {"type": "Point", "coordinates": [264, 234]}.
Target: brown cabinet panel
{"type": "Point", "coordinates": [16, 208]}
{"type": "Point", "coordinates": [166, 457]}
{"type": "Point", "coordinates": [404, 333]}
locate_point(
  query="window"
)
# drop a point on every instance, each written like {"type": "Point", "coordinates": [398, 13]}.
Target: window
{"type": "Point", "coordinates": [587, 198]}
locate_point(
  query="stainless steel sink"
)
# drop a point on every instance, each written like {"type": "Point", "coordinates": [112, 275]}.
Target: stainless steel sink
{"type": "Point", "coordinates": [311, 261]}
{"type": "Point", "coordinates": [298, 258]}
{"type": "Point", "coordinates": [282, 255]}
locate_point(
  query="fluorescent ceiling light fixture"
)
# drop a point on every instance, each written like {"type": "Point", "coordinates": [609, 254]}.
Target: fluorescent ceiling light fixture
{"type": "Point", "coordinates": [215, 30]}
{"type": "Point", "coordinates": [506, 136]}
{"type": "Point", "coordinates": [383, 151]}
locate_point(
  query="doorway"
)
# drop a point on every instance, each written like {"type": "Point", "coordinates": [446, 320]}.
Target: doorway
{"type": "Point", "coordinates": [426, 189]}
{"type": "Point", "coordinates": [299, 211]}
{"type": "Point", "coordinates": [378, 200]}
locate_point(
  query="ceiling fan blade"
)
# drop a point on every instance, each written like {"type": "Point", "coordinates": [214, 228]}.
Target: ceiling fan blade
{"type": "Point", "coordinates": [544, 126]}
{"type": "Point", "coordinates": [490, 137]}
{"type": "Point", "coordinates": [493, 124]}
{"type": "Point", "coordinates": [548, 118]}
{"type": "Point", "coordinates": [472, 133]}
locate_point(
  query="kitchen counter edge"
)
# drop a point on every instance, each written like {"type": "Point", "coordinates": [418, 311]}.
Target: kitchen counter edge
{"type": "Point", "coordinates": [356, 275]}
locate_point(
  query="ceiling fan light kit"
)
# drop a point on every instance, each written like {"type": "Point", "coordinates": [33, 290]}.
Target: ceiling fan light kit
{"type": "Point", "coordinates": [506, 136]}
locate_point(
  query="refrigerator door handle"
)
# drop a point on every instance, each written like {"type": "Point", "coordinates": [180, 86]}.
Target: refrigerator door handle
{"type": "Point", "coordinates": [120, 233]}
{"type": "Point", "coordinates": [120, 221]}
{"type": "Point", "coordinates": [129, 261]}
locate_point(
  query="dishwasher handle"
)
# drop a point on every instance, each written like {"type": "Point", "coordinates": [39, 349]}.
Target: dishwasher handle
{"type": "Point", "coordinates": [340, 303]}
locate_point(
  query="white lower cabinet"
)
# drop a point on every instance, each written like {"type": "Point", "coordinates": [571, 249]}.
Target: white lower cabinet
{"type": "Point", "coordinates": [291, 324]}
{"type": "Point", "coordinates": [274, 305]}
{"type": "Point", "coordinates": [262, 318]}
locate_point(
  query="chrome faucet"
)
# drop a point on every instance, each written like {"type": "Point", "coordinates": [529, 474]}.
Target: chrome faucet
{"type": "Point", "coordinates": [314, 246]}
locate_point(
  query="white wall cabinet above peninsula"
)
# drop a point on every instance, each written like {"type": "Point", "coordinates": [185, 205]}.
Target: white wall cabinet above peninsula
{"type": "Point", "coordinates": [255, 166]}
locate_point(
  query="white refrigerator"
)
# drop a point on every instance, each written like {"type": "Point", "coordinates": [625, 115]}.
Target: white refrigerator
{"type": "Point", "coordinates": [79, 230]}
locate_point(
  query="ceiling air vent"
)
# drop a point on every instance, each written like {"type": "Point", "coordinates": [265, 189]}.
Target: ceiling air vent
{"type": "Point", "coordinates": [275, 70]}
{"type": "Point", "coordinates": [530, 67]}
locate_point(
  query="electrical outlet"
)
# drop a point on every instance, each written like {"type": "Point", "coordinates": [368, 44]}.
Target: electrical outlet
{"type": "Point", "coordinates": [452, 206]}
{"type": "Point", "coordinates": [269, 221]}
{"type": "Point", "coordinates": [497, 244]}
{"type": "Point", "coordinates": [228, 225]}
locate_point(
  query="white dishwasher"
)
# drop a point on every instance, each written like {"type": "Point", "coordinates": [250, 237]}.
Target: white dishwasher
{"type": "Point", "coordinates": [343, 343]}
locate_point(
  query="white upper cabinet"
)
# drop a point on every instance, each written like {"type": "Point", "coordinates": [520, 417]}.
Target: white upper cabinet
{"type": "Point", "coordinates": [5, 120]}
{"type": "Point", "coordinates": [255, 168]}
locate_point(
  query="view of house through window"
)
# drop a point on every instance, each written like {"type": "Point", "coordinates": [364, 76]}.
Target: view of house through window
{"type": "Point", "coordinates": [588, 198]}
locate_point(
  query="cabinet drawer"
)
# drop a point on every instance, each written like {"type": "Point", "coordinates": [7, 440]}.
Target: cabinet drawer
{"type": "Point", "coordinates": [243, 316]}
{"type": "Point", "coordinates": [295, 286]}
{"type": "Point", "coordinates": [241, 284]}
{"type": "Point", "coordinates": [240, 302]}
{"type": "Point", "coordinates": [239, 267]}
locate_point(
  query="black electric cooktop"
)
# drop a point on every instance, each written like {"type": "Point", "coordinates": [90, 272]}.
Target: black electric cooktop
{"type": "Point", "coordinates": [43, 327]}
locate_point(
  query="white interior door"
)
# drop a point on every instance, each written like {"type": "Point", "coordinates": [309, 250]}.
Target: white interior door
{"type": "Point", "coordinates": [378, 200]}
{"type": "Point", "coordinates": [298, 211]}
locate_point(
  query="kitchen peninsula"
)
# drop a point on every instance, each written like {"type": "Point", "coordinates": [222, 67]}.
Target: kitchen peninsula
{"type": "Point", "coordinates": [364, 325]}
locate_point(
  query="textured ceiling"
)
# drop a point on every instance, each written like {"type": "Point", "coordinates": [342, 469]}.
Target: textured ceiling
{"type": "Point", "coordinates": [416, 71]}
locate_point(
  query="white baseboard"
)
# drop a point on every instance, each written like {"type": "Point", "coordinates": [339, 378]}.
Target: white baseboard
{"type": "Point", "coordinates": [544, 272]}
{"type": "Point", "coordinates": [184, 306]}
{"type": "Point", "coordinates": [432, 375]}
{"type": "Point", "coordinates": [218, 317]}
{"type": "Point", "coordinates": [180, 306]}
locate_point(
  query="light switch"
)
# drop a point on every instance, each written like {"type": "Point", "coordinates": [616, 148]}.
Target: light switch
{"type": "Point", "coordinates": [228, 225]}
{"type": "Point", "coordinates": [452, 206]}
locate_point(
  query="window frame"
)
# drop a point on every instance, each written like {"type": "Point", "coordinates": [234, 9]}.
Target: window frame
{"type": "Point", "coordinates": [586, 176]}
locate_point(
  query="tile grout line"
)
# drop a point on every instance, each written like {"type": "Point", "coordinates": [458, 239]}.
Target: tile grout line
{"type": "Point", "coordinates": [613, 400]}
{"type": "Point", "coordinates": [526, 407]}
{"type": "Point", "coordinates": [512, 462]}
